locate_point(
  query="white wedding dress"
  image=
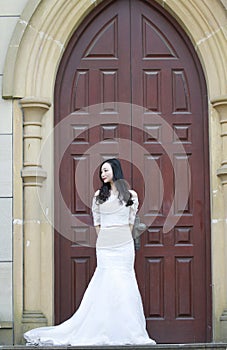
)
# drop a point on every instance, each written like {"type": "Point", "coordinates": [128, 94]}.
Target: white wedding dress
{"type": "Point", "coordinates": [111, 311]}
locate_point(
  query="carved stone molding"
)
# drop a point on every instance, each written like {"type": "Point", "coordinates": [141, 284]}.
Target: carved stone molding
{"type": "Point", "coordinates": [223, 320]}
{"type": "Point", "coordinates": [36, 319]}
{"type": "Point", "coordinates": [23, 73]}
{"type": "Point", "coordinates": [220, 104]}
{"type": "Point", "coordinates": [222, 173]}
{"type": "Point", "coordinates": [33, 111]}
{"type": "Point", "coordinates": [33, 175]}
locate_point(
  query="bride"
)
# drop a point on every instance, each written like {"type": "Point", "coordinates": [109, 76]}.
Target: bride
{"type": "Point", "coordinates": [111, 311]}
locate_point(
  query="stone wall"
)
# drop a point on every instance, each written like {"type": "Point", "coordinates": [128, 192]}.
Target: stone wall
{"type": "Point", "coordinates": [41, 29]}
{"type": "Point", "coordinates": [10, 11]}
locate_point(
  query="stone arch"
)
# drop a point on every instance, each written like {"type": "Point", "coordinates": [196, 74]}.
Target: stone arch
{"type": "Point", "coordinates": [45, 28]}
{"type": "Point", "coordinates": [37, 45]}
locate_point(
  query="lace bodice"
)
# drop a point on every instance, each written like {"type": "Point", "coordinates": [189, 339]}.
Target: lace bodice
{"type": "Point", "coordinates": [113, 213]}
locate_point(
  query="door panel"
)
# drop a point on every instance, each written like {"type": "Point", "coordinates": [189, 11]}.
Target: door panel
{"type": "Point", "coordinates": [132, 52]}
{"type": "Point", "coordinates": [96, 73]}
{"type": "Point", "coordinates": [172, 262]}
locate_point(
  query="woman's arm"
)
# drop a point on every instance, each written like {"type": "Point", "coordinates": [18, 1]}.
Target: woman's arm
{"type": "Point", "coordinates": [96, 213]}
{"type": "Point", "coordinates": [133, 209]}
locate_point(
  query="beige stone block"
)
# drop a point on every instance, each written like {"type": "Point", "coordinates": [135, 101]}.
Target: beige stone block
{"type": "Point", "coordinates": [6, 229]}
{"type": "Point", "coordinates": [7, 25]}
{"type": "Point", "coordinates": [224, 2]}
{"type": "Point", "coordinates": [6, 291]}
{"type": "Point", "coordinates": [5, 114]}
{"type": "Point", "coordinates": [6, 166]}
{"type": "Point", "coordinates": [6, 335]}
{"type": "Point", "coordinates": [12, 7]}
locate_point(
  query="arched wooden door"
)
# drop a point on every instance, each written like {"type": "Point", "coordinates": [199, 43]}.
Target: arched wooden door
{"type": "Point", "coordinates": [133, 52]}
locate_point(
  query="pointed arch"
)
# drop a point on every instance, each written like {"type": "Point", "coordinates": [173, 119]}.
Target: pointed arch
{"type": "Point", "coordinates": [45, 28]}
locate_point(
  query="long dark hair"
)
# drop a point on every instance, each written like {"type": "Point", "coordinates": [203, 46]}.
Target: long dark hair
{"type": "Point", "coordinates": [121, 185]}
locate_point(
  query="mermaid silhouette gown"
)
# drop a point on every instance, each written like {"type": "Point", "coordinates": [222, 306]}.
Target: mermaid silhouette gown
{"type": "Point", "coordinates": [111, 311]}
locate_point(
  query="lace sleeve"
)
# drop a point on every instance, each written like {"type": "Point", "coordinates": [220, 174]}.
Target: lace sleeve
{"type": "Point", "coordinates": [95, 211]}
{"type": "Point", "coordinates": [133, 207]}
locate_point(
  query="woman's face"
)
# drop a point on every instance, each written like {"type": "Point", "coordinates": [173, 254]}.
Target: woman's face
{"type": "Point", "coordinates": [106, 173]}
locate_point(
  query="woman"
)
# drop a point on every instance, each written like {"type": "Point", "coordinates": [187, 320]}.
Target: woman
{"type": "Point", "coordinates": [111, 311]}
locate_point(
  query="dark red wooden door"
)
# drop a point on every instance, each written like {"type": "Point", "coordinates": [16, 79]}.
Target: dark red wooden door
{"type": "Point", "coordinates": [171, 266]}
{"type": "Point", "coordinates": [132, 54]}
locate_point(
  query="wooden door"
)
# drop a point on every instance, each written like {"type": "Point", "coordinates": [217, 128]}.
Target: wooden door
{"type": "Point", "coordinates": [171, 266]}
{"type": "Point", "coordinates": [94, 72]}
{"type": "Point", "coordinates": [133, 54]}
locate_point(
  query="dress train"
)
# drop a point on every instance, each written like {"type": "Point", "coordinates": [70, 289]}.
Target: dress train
{"type": "Point", "coordinates": [111, 311]}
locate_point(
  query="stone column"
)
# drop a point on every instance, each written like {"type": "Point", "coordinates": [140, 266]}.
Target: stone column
{"type": "Point", "coordinates": [220, 104]}
{"type": "Point", "coordinates": [33, 175]}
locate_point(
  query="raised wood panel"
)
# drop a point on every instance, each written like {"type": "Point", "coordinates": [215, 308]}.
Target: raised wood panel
{"type": "Point", "coordinates": [80, 91]}
{"type": "Point", "coordinates": [80, 172]}
{"type": "Point", "coordinates": [109, 92]}
{"type": "Point", "coordinates": [182, 184]}
{"type": "Point", "coordinates": [184, 287]}
{"type": "Point", "coordinates": [154, 236]}
{"type": "Point", "coordinates": [155, 44]}
{"type": "Point", "coordinates": [81, 236]}
{"type": "Point", "coordinates": [80, 274]}
{"type": "Point", "coordinates": [181, 97]}
{"type": "Point", "coordinates": [152, 90]}
{"type": "Point", "coordinates": [182, 133]}
{"type": "Point", "coordinates": [105, 43]}
{"type": "Point", "coordinates": [109, 133]}
{"type": "Point", "coordinates": [155, 286]}
{"type": "Point", "coordinates": [80, 134]}
{"type": "Point", "coordinates": [183, 236]}
{"type": "Point", "coordinates": [152, 134]}
{"type": "Point", "coordinates": [154, 184]}
{"type": "Point", "coordinates": [108, 156]}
